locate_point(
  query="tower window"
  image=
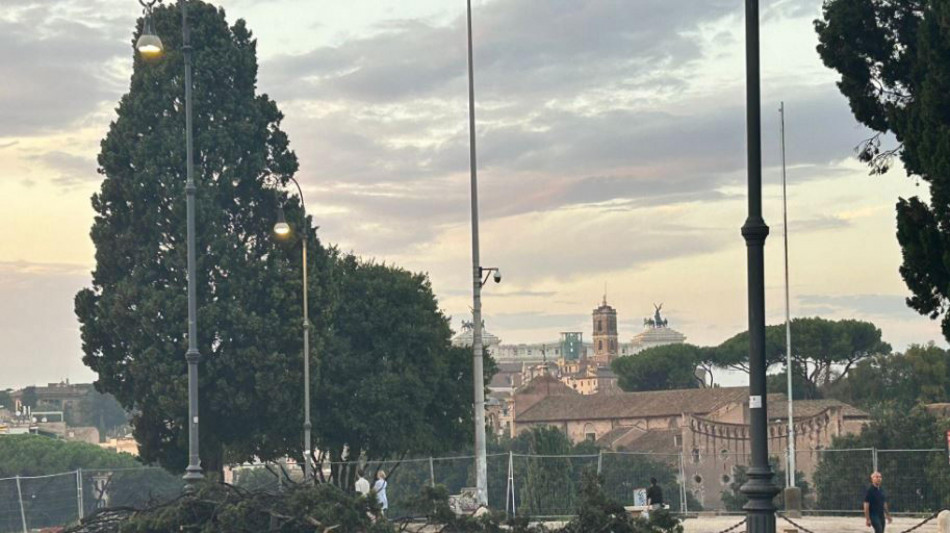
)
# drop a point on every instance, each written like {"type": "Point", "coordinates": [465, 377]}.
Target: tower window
{"type": "Point", "coordinates": [600, 345]}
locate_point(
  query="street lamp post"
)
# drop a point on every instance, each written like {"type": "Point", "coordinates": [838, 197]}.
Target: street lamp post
{"type": "Point", "coordinates": [481, 456]}
{"type": "Point", "coordinates": [283, 228]}
{"type": "Point", "coordinates": [760, 511]}
{"type": "Point", "coordinates": [149, 45]}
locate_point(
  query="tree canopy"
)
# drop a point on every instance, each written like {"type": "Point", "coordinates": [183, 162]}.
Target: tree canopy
{"type": "Point", "coordinates": [390, 385]}
{"type": "Point", "coordinates": [915, 471]}
{"type": "Point", "coordinates": [33, 455]}
{"type": "Point", "coordinates": [98, 410]}
{"type": "Point", "coordinates": [894, 61]}
{"type": "Point", "coordinates": [919, 375]}
{"type": "Point", "coordinates": [659, 368]}
{"type": "Point", "coordinates": [824, 350]}
{"type": "Point", "coordinates": [6, 401]}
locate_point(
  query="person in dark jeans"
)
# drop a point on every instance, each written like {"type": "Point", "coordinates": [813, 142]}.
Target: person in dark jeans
{"type": "Point", "coordinates": [875, 504]}
{"type": "Point", "coordinates": [654, 495]}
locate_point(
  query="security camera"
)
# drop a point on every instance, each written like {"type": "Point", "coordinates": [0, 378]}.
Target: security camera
{"type": "Point", "coordinates": [497, 276]}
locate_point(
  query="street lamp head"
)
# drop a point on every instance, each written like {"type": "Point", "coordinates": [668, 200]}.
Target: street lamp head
{"type": "Point", "coordinates": [281, 228]}
{"type": "Point", "coordinates": [148, 43]}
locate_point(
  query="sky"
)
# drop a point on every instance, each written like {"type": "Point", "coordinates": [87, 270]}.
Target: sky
{"type": "Point", "coordinates": [611, 154]}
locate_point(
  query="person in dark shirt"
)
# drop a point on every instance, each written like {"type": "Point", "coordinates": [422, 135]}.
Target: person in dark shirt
{"type": "Point", "coordinates": [875, 504]}
{"type": "Point", "coordinates": [654, 495]}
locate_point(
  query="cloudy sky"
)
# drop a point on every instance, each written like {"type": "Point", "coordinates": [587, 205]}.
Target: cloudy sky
{"type": "Point", "coordinates": [611, 153]}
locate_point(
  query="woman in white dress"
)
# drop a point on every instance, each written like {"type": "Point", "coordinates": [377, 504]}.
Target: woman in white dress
{"type": "Point", "coordinates": [380, 488]}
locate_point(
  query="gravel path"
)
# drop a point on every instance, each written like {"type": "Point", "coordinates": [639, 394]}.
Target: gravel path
{"type": "Point", "coordinates": [818, 524]}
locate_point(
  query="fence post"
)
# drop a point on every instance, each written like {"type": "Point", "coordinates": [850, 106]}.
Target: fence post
{"type": "Point", "coordinates": [684, 507]}
{"type": "Point", "coordinates": [600, 461]}
{"type": "Point", "coordinates": [511, 485]}
{"type": "Point", "coordinates": [79, 501]}
{"type": "Point", "coordinates": [873, 459]}
{"type": "Point", "coordinates": [19, 493]}
{"type": "Point", "coordinates": [431, 472]}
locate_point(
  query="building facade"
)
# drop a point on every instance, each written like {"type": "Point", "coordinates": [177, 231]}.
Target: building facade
{"type": "Point", "coordinates": [708, 428]}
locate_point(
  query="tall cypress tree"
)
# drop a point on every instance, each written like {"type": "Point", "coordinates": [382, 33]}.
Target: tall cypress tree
{"type": "Point", "coordinates": [134, 317]}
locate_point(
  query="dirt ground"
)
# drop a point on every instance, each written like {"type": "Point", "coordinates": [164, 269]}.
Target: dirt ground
{"type": "Point", "coordinates": [818, 524]}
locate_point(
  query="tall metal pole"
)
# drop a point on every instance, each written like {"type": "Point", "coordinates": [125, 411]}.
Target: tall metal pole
{"type": "Point", "coordinates": [193, 356]}
{"type": "Point", "coordinates": [307, 425]}
{"type": "Point", "coordinates": [790, 475]}
{"type": "Point", "coordinates": [481, 469]}
{"type": "Point", "coordinates": [760, 511]}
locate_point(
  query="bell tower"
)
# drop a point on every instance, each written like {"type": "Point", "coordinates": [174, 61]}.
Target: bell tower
{"type": "Point", "coordinates": [605, 333]}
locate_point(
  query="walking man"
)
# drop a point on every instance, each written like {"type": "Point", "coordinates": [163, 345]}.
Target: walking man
{"type": "Point", "coordinates": [654, 495]}
{"type": "Point", "coordinates": [875, 505]}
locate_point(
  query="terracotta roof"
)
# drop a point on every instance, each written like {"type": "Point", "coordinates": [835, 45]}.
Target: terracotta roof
{"type": "Point", "coordinates": [547, 384]}
{"type": "Point", "coordinates": [505, 366]}
{"type": "Point", "coordinates": [778, 409]}
{"type": "Point", "coordinates": [506, 379]}
{"type": "Point", "coordinates": [632, 404]}
{"type": "Point", "coordinates": [608, 439]}
{"type": "Point", "coordinates": [653, 441]}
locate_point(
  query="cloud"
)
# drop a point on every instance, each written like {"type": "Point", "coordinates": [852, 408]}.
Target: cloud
{"type": "Point", "coordinates": [37, 323]}
{"type": "Point", "coordinates": [71, 169]}
{"type": "Point", "coordinates": [552, 46]}
{"type": "Point", "coordinates": [538, 320]}
{"type": "Point", "coordinates": [820, 223]}
{"type": "Point", "coordinates": [870, 305]}
{"type": "Point", "coordinates": [57, 68]}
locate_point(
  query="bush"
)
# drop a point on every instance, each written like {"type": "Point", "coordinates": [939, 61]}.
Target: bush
{"type": "Point", "coordinates": [219, 508]}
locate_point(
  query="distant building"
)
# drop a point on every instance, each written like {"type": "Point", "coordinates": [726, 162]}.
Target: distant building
{"type": "Point", "coordinates": [707, 427]}
{"type": "Point", "coordinates": [605, 334]}
{"type": "Point", "coordinates": [572, 345]}
{"type": "Point", "coordinates": [61, 396]}
{"type": "Point", "coordinates": [591, 379]}
{"type": "Point", "coordinates": [656, 332]}
{"type": "Point", "coordinates": [466, 338]}
{"type": "Point", "coordinates": [125, 444]}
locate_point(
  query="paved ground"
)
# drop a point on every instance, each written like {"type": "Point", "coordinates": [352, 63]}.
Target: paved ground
{"type": "Point", "coordinates": [714, 524]}
{"type": "Point", "coordinates": [822, 524]}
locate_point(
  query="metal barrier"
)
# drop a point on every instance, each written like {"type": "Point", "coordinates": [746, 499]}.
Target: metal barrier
{"type": "Point", "coordinates": [832, 482]}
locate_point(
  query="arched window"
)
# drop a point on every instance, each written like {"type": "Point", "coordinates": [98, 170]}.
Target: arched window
{"type": "Point", "coordinates": [600, 345]}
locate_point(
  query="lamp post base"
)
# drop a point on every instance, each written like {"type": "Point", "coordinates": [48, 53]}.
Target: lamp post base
{"type": "Point", "coordinates": [760, 509]}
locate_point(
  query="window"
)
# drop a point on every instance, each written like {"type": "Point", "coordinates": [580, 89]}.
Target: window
{"type": "Point", "coordinates": [591, 437]}
{"type": "Point", "coordinates": [600, 345]}
{"type": "Point", "coordinates": [695, 455]}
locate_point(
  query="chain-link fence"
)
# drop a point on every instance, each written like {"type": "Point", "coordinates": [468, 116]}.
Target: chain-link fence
{"type": "Point", "coordinates": [29, 503]}
{"type": "Point", "coordinates": [832, 482]}
{"type": "Point", "coordinates": [917, 481]}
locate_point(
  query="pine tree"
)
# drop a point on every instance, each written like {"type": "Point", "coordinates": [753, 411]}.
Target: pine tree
{"type": "Point", "coordinates": [894, 61]}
